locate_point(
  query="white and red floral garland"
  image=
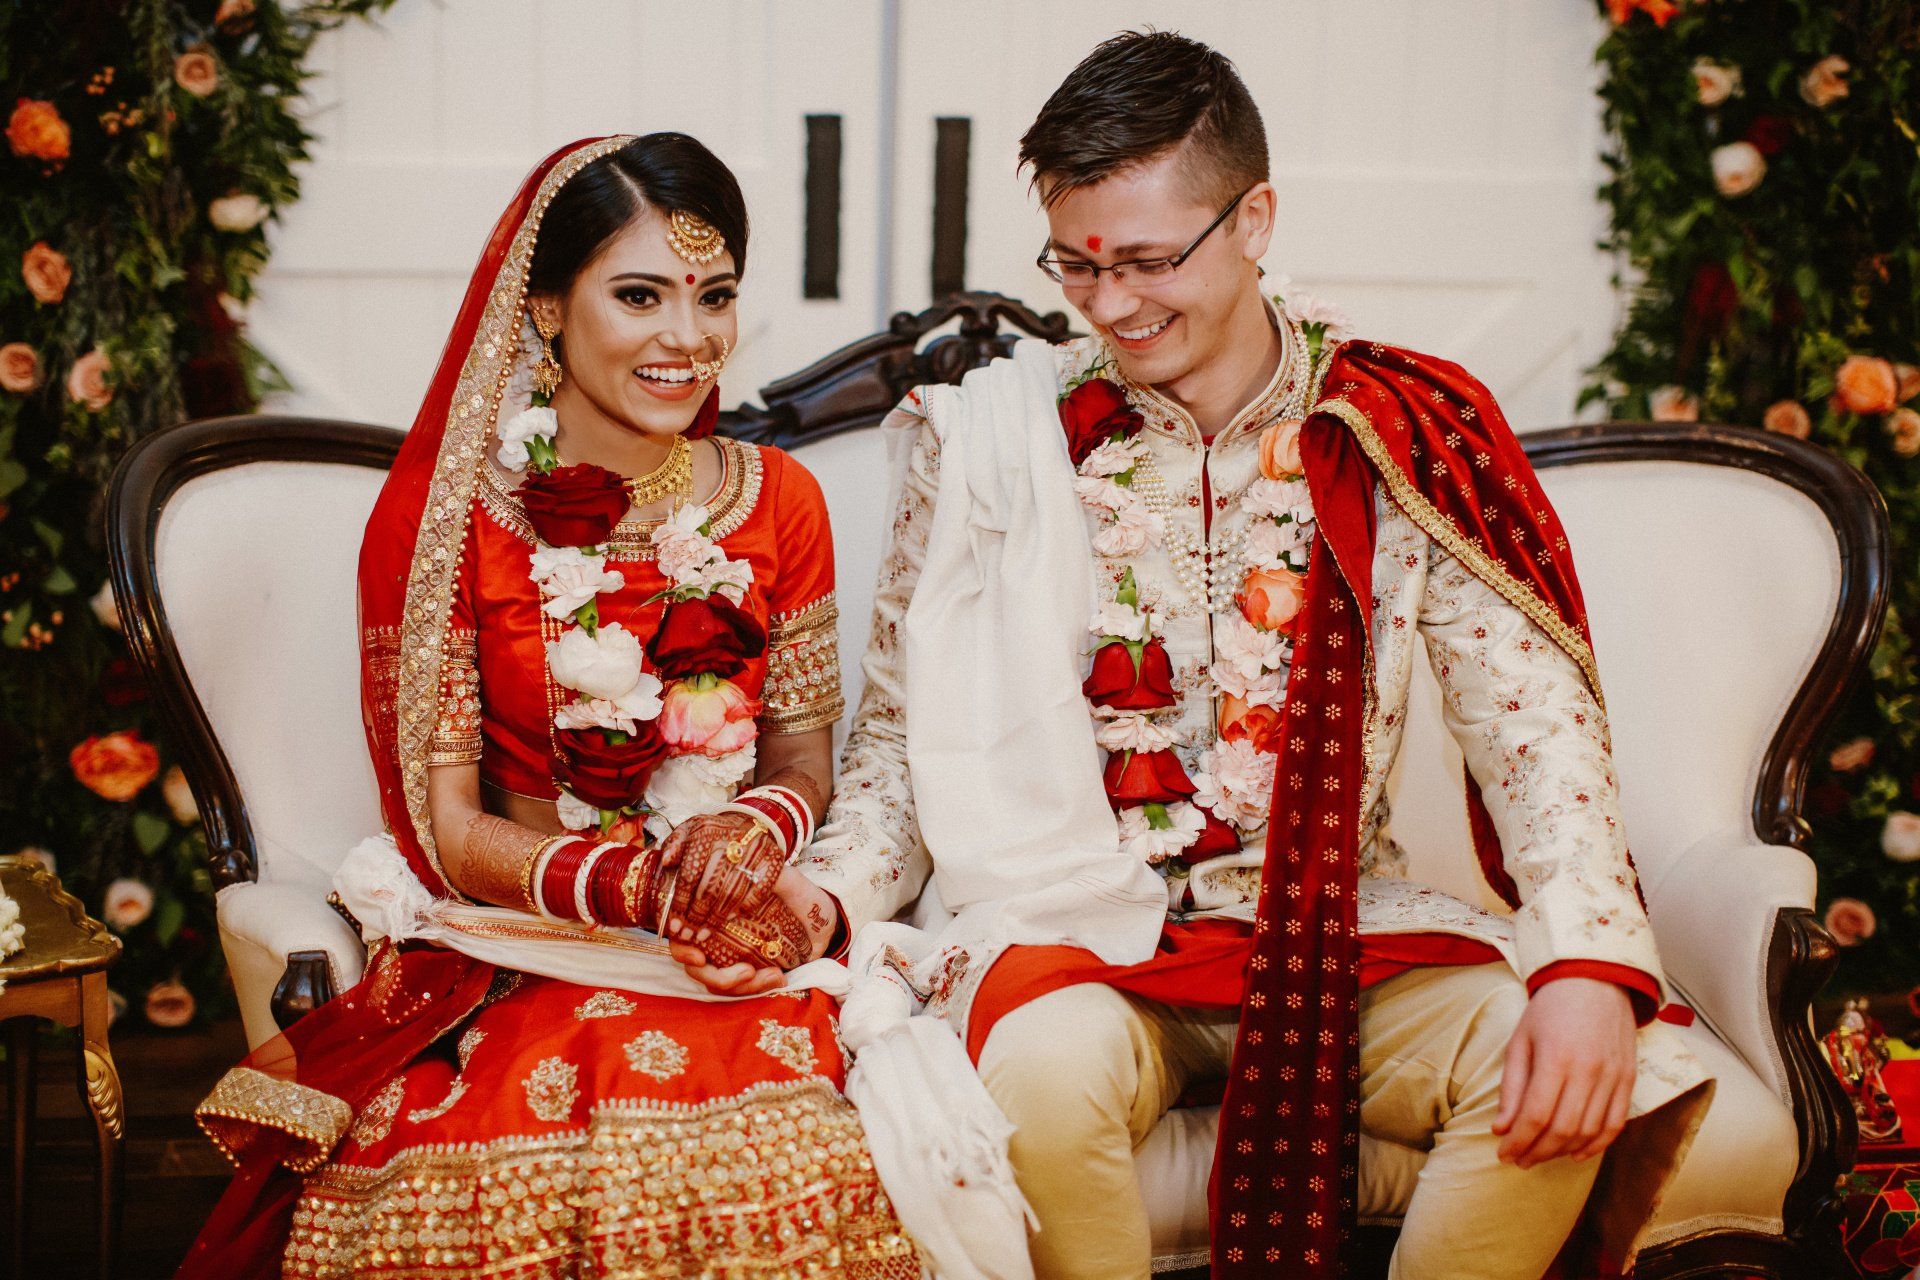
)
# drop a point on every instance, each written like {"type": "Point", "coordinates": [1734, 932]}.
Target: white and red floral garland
{"type": "Point", "coordinates": [1168, 816]}
{"type": "Point", "coordinates": [655, 732]}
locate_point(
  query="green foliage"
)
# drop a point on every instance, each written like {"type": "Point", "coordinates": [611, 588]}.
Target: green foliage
{"type": "Point", "coordinates": [1747, 301]}
{"type": "Point", "coordinates": [155, 284]}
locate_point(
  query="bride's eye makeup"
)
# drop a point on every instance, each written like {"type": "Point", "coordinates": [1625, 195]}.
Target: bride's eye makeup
{"type": "Point", "coordinates": [718, 299]}
{"type": "Point", "coordinates": [637, 295]}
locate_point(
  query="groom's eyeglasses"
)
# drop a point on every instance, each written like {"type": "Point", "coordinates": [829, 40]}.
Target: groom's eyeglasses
{"type": "Point", "coordinates": [1081, 274]}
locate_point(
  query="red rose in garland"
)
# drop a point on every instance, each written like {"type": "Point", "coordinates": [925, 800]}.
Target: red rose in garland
{"type": "Point", "coordinates": [705, 634]}
{"type": "Point", "coordinates": [1215, 838]}
{"type": "Point", "coordinates": [1146, 777]}
{"type": "Point", "coordinates": [1120, 683]}
{"type": "Point", "coordinates": [574, 506]}
{"type": "Point", "coordinates": [1093, 413]}
{"type": "Point", "coordinates": [608, 775]}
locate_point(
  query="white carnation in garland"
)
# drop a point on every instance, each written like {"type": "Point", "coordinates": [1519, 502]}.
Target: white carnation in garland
{"type": "Point", "coordinates": [1101, 493]}
{"type": "Point", "coordinates": [1235, 781]}
{"type": "Point", "coordinates": [1131, 731]}
{"type": "Point", "coordinates": [1268, 689]}
{"type": "Point", "coordinates": [1122, 622]}
{"type": "Point", "coordinates": [1115, 457]}
{"type": "Point", "coordinates": [606, 664]}
{"type": "Point", "coordinates": [1270, 545]}
{"type": "Point", "coordinates": [1139, 838]}
{"type": "Point", "coordinates": [529, 424]}
{"type": "Point", "coordinates": [729, 578]}
{"type": "Point", "coordinates": [683, 786]}
{"type": "Point", "coordinates": [1133, 529]}
{"type": "Point", "coordinates": [642, 702]}
{"type": "Point", "coordinates": [682, 550]}
{"type": "Point", "coordinates": [380, 891]}
{"type": "Point", "coordinates": [1280, 499]}
{"type": "Point", "coordinates": [1245, 649]}
{"type": "Point", "coordinates": [576, 814]}
{"type": "Point", "coordinates": [569, 577]}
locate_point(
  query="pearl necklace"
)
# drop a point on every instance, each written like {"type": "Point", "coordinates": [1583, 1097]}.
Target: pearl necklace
{"type": "Point", "coordinates": [1205, 570]}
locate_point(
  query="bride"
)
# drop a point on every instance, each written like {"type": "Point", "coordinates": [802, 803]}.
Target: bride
{"type": "Point", "coordinates": [599, 676]}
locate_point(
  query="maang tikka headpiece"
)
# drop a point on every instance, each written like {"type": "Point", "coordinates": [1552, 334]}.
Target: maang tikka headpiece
{"type": "Point", "coordinates": [693, 238]}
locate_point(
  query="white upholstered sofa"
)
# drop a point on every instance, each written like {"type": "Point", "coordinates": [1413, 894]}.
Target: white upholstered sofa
{"type": "Point", "coordinates": [1734, 579]}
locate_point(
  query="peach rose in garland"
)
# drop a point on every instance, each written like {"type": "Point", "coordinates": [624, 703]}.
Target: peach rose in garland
{"type": "Point", "coordinates": [116, 766]}
{"type": "Point", "coordinates": [35, 131]}
{"type": "Point", "coordinates": [1241, 721]}
{"type": "Point", "coordinates": [19, 368]}
{"type": "Point", "coordinates": [1271, 598]}
{"type": "Point", "coordinates": [46, 271]}
{"type": "Point", "coordinates": [1788, 418]}
{"type": "Point", "coordinates": [707, 715]}
{"type": "Point", "coordinates": [1714, 82]}
{"type": "Point", "coordinates": [1280, 450]}
{"type": "Point", "coordinates": [1866, 384]}
{"type": "Point", "coordinates": [87, 381]}
{"type": "Point", "coordinates": [197, 72]}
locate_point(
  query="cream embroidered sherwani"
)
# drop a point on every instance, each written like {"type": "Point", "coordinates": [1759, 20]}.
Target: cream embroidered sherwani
{"type": "Point", "coordinates": [1516, 703]}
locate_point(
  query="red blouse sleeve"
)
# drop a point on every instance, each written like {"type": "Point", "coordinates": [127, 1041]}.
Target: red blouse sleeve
{"type": "Point", "coordinates": [802, 691]}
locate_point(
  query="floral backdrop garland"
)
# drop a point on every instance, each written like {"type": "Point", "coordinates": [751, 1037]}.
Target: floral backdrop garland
{"type": "Point", "coordinates": [148, 142]}
{"type": "Point", "coordinates": [1765, 177]}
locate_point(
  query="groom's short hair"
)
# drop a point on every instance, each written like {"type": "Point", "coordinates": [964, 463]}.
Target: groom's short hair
{"type": "Point", "coordinates": [1137, 96]}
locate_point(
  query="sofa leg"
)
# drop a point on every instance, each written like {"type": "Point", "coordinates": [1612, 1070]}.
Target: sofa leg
{"type": "Point", "coordinates": [305, 986]}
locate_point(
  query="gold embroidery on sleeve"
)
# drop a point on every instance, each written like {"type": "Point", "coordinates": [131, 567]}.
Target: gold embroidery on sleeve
{"type": "Point", "coordinates": [803, 669]}
{"type": "Point", "coordinates": [456, 733]}
{"type": "Point", "coordinates": [246, 1101]}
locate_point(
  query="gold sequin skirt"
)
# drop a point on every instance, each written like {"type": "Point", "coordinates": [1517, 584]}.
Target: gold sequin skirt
{"type": "Point", "coordinates": [568, 1132]}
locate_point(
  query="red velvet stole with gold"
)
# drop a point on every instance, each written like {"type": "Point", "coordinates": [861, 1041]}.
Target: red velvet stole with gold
{"type": "Point", "coordinates": [1285, 1179]}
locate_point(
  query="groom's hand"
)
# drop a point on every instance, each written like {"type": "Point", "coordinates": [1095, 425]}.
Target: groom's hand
{"type": "Point", "coordinates": [683, 945]}
{"type": "Point", "coordinates": [1569, 1073]}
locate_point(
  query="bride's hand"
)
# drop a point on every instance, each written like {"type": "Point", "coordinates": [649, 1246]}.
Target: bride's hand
{"type": "Point", "coordinates": [734, 980]}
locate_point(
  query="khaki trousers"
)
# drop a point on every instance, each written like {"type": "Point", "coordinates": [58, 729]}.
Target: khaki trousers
{"type": "Point", "coordinates": [1084, 1073]}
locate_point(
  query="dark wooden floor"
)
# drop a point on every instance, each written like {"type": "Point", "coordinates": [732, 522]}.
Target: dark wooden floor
{"type": "Point", "coordinates": [174, 1174]}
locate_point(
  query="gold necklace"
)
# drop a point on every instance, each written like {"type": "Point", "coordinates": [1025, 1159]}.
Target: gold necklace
{"type": "Point", "coordinates": [672, 478]}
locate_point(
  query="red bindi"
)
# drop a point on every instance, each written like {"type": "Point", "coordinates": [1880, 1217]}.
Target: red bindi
{"type": "Point", "coordinates": [1093, 243]}
{"type": "Point", "coordinates": [689, 279]}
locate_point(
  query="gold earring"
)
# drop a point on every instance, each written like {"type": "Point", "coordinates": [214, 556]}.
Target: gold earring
{"type": "Point", "coordinates": [546, 371]}
{"type": "Point", "coordinates": [709, 370]}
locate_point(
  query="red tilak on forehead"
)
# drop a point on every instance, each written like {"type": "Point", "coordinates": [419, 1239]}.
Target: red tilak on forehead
{"type": "Point", "coordinates": [689, 278]}
{"type": "Point", "coordinates": [1093, 244]}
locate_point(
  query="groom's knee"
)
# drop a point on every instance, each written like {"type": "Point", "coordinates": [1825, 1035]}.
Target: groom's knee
{"type": "Point", "coordinates": [1064, 1066]}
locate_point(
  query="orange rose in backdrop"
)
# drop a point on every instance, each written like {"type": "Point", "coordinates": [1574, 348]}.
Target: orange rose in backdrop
{"type": "Point", "coordinates": [1280, 450]}
{"type": "Point", "coordinates": [19, 367]}
{"type": "Point", "coordinates": [37, 132]}
{"type": "Point", "coordinates": [115, 767]}
{"type": "Point", "coordinates": [46, 271]}
{"type": "Point", "coordinates": [1271, 598]}
{"type": "Point", "coordinates": [197, 72]}
{"type": "Point", "coordinates": [1866, 384]}
{"type": "Point", "coordinates": [87, 381]}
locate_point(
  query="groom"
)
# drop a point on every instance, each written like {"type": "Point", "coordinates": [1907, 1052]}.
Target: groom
{"type": "Point", "coordinates": [1262, 514]}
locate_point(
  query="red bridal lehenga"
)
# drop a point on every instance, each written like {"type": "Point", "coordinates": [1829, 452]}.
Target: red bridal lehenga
{"type": "Point", "coordinates": [454, 1117]}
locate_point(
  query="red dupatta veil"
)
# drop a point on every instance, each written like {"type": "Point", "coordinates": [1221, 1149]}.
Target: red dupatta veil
{"type": "Point", "coordinates": [281, 1111]}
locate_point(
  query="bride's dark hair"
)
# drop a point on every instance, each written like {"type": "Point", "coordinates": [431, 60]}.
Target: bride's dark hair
{"type": "Point", "coordinates": [669, 171]}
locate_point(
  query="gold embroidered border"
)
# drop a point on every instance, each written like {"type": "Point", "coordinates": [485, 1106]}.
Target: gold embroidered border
{"type": "Point", "coordinates": [1441, 530]}
{"type": "Point", "coordinates": [742, 476]}
{"type": "Point", "coordinates": [802, 689]}
{"type": "Point", "coordinates": [247, 1100]}
{"type": "Point", "coordinates": [773, 1182]}
{"type": "Point", "coordinates": [475, 405]}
